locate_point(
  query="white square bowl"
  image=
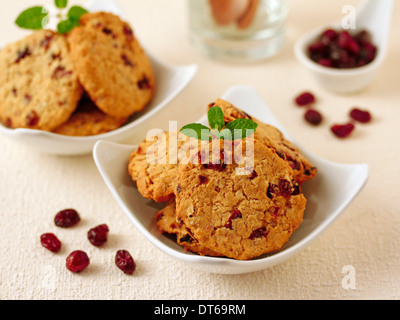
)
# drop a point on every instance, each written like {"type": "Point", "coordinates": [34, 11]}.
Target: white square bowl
{"type": "Point", "coordinates": [328, 194]}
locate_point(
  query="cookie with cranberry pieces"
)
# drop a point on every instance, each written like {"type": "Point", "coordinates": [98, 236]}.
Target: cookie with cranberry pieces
{"type": "Point", "coordinates": [112, 66]}
{"type": "Point", "coordinates": [242, 201]}
{"type": "Point", "coordinates": [88, 120]}
{"type": "Point", "coordinates": [39, 88]}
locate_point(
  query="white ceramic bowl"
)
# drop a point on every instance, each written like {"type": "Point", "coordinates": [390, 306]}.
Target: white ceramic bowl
{"type": "Point", "coordinates": [171, 80]}
{"type": "Point", "coordinates": [328, 194]}
{"type": "Point", "coordinates": [372, 15]}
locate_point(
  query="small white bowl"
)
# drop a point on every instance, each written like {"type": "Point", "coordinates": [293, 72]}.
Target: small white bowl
{"type": "Point", "coordinates": [328, 194]}
{"type": "Point", "coordinates": [170, 80]}
{"type": "Point", "coordinates": [372, 15]}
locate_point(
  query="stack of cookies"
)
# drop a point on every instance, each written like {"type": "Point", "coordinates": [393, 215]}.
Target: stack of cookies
{"type": "Point", "coordinates": [222, 207]}
{"type": "Point", "coordinates": [87, 82]}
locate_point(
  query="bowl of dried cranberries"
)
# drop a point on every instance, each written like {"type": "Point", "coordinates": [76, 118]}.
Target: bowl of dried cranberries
{"type": "Point", "coordinates": [342, 61]}
{"type": "Point", "coordinates": [343, 57]}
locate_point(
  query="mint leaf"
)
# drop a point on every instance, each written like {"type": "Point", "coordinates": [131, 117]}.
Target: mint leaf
{"type": "Point", "coordinates": [75, 13]}
{"type": "Point", "coordinates": [61, 4]}
{"type": "Point", "coordinates": [197, 131]}
{"type": "Point", "coordinates": [241, 128]}
{"type": "Point", "coordinates": [32, 18]}
{"type": "Point", "coordinates": [216, 118]}
{"type": "Point", "coordinates": [66, 26]}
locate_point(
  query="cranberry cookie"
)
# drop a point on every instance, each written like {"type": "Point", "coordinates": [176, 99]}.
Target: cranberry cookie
{"type": "Point", "coordinates": [39, 88]}
{"type": "Point", "coordinates": [239, 209]}
{"type": "Point", "coordinates": [88, 120]}
{"type": "Point", "coordinates": [111, 65]}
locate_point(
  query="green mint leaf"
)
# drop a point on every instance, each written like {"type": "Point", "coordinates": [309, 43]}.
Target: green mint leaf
{"type": "Point", "coordinates": [216, 118]}
{"type": "Point", "coordinates": [66, 26]}
{"type": "Point", "coordinates": [240, 128]}
{"type": "Point", "coordinates": [61, 4]}
{"type": "Point", "coordinates": [197, 131]}
{"type": "Point", "coordinates": [75, 13]}
{"type": "Point", "coordinates": [33, 18]}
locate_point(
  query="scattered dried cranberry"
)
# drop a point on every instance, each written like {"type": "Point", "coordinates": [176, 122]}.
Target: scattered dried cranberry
{"type": "Point", "coordinates": [50, 242]}
{"type": "Point", "coordinates": [125, 262]}
{"type": "Point", "coordinates": [305, 99]}
{"type": "Point", "coordinates": [77, 261]}
{"type": "Point", "coordinates": [340, 49]}
{"type": "Point", "coordinates": [67, 218]}
{"type": "Point", "coordinates": [313, 117]}
{"type": "Point", "coordinates": [359, 115]}
{"type": "Point", "coordinates": [342, 131]}
{"type": "Point", "coordinates": [98, 235]}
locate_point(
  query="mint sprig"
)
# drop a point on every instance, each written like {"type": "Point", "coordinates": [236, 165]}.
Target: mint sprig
{"type": "Point", "coordinates": [37, 18]}
{"type": "Point", "coordinates": [236, 129]}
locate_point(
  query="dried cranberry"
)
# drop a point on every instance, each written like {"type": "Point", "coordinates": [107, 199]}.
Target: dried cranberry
{"type": "Point", "coordinates": [60, 72]}
{"type": "Point", "coordinates": [258, 233]}
{"type": "Point", "coordinates": [22, 54]}
{"type": "Point", "coordinates": [305, 99]}
{"type": "Point", "coordinates": [128, 33]}
{"type": "Point", "coordinates": [144, 83]}
{"type": "Point", "coordinates": [67, 218]}
{"type": "Point", "coordinates": [98, 235]}
{"type": "Point", "coordinates": [127, 61]}
{"type": "Point", "coordinates": [46, 42]}
{"type": "Point", "coordinates": [285, 188]}
{"type": "Point", "coordinates": [50, 242]}
{"type": "Point", "coordinates": [359, 115]}
{"type": "Point", "coordinates": [32, 119]}
{"type": "Point", "coordinates": [342, 131]}
{"type": "Point", "coordinates": [125, 262]}
{"type": "Point", "coordinates": [253, 175]}
{"type": "Point", "coordinates": [294, 164]}
{"type": "Point", "coordinates": [328, 36]}
{"type": "Point", "coordinates": [313, 117]}
{"type": "Point", "coordinates": [203, 180]}
{"type": "Point", "coordinates": [77, 261]}
{"type": "Point", "coordinates": [235, 215]}
{"type": "Point", "coordinates": [109, 32]}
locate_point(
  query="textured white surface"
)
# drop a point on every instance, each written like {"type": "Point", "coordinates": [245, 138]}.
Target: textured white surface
{"type": "Point", "coordinates": [33, 186]}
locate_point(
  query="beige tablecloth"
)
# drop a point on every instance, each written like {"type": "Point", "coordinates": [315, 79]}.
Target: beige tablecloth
{"type": "Point", "coordinates": [34, 186]}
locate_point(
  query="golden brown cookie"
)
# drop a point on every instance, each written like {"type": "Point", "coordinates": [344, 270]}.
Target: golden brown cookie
{"type": "Point", "coordinates": [272, 137]}
{"type": "Point", "coordinates": [111, 65]}
{"type": "Point", "coordinates": [39, 88]}
{"type": "Point", "coordinates": [239, 208]}
{"type": "Point", "coordinates": [88, 120]}
{"type": "Point", "coordinates": [153, 165]}
{"type": "Point", "coordinates": [170, 227]}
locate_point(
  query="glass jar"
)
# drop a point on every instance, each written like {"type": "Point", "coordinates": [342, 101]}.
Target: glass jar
{"type": "Point", "coordinates": [238, 30]}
